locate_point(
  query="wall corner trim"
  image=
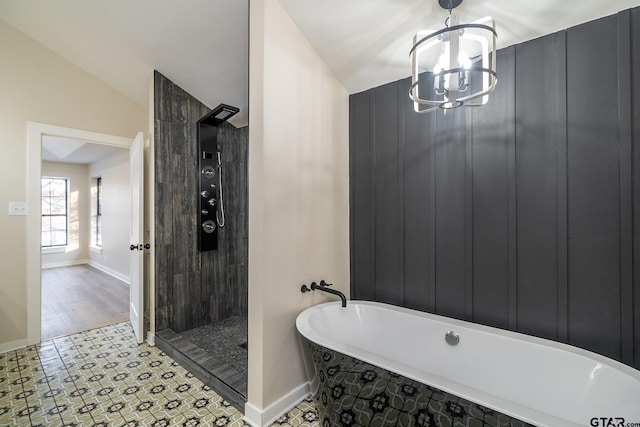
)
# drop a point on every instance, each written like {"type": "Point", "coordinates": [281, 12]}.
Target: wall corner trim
{"type": "Point", "coordinates": [257, 417]}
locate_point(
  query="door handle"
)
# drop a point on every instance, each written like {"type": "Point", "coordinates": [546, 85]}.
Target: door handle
{"type": "Point", "coordinates": [140, 247]}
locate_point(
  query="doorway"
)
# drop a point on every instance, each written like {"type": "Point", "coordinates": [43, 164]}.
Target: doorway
{"type": "Point", "coordinates": [85, 230]}
{"type": "Point", "coordinates": [36, 132]}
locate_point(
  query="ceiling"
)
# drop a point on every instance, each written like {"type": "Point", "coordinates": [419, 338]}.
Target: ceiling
{"type": "Point", "coordinates": [65, 150]}
{"type": "Point", "coordinates": [366, 42]}
{"type": "Point", "coordinates": [202, 45]}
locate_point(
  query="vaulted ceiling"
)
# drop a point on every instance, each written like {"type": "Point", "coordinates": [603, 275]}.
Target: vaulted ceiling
{"type": "Point", "coordinates": [202, 45]}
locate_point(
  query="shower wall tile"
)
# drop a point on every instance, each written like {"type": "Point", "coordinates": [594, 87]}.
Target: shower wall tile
{"type": "Point", "coordinates": [162, 150]}
{"type": "Point", "coordinates": [164, 221]}
{"type": "Point", "coordinates": [195, 288]}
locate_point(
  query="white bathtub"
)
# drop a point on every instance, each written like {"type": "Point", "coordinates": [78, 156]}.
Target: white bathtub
{"type": "Point", "coordinates": [538, 381]}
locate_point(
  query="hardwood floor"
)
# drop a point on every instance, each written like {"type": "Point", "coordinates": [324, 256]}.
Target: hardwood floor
{"type": "Point", "coordinates": [79, 298]}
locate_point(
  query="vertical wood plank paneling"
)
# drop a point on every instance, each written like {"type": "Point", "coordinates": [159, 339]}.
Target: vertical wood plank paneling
{"type": "Point", "coordinates": [493, 133]}
{"type": "Point", "coordinates": [537, 199]}
{"type": "Point", "coordinates": [401, 92]}
{"type": "Point", "coordinates": [512, 206]}
{"type": "Point", "coordinates": [432, 185]}
{"type": "Point", "coordinates": [387, 222]}
{"type": "Point", "coordinates": [562, 198]}
{"type": "Point", "coordinates": [451, 237]}
{"type": "Point", "coordinates": [361, 188]}
{"type": "Point", "coordinates": [540, 235]}
{"type": "Point", "coordinates": [635, 90]}
{"type": "Point", "coordinates": [418, 209]}
{"type": "Point", "coordinates": [626, 178]}
{"type": "Point", "coordinates": [468, 216]}
{"type": "Point", "coordinates": [593, 188]}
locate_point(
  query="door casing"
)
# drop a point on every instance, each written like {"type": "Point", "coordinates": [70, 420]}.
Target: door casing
{"type": "Point", "coordinates": [35, 132]}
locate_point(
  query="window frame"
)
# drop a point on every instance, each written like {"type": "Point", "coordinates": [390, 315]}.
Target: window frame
{"type": "Point", "coordinates": [52, 247]}
{"type": "Point", "coordinates": [98, 229]}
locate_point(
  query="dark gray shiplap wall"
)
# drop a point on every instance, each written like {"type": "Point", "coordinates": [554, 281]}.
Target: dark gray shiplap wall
{"type": "Point", "coordinates": [522, 214]}
{"type": "Point", "coordinates": [195, 288]}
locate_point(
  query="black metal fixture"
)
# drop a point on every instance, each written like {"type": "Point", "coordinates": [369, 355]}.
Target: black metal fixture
{"type": "Point", "coordinates": [454, 66]}
{"type": "Point", "coordinates": [210, 194]}
{"type": "Point", "coordinates": [219, 115]}
{"type": "Point", "coordinates": [324, 287]}
{"type": "Point", "coordinates": [139, 247]}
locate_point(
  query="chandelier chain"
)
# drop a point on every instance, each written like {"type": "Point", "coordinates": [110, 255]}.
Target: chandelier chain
{"type": "Point", "coordinates": [446, 21]}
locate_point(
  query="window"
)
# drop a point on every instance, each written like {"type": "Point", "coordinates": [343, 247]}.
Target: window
{"type": "Point", "coordinates": [98, 230]}
{"type": "Point", "coordinates": [54, 211]}
{"type": "Point", "coordinates": [96, 213]}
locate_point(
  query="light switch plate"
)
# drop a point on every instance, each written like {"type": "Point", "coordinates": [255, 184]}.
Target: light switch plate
{"type": "Point", "coordinates": [17, 208]}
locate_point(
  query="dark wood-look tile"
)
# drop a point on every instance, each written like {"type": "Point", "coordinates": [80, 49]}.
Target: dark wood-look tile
{"type": "Point", "coordinates": [221, 377]}
{"type": "Point", "coordinates": [195, 288]}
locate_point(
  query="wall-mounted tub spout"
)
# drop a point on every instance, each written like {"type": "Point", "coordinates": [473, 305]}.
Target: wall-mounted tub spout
{"type": "Point", "coordinates": [323, 286]}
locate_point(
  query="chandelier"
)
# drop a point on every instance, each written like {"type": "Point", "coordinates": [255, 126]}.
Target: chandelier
{"type": "Point", "coordinates": [454, 66]}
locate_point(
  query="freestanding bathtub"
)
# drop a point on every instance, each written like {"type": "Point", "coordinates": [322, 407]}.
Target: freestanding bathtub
{"type": "Point", "coordinates": [381, 365]}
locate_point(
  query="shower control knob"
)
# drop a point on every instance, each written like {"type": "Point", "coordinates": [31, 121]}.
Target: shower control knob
{"type": "Point", "coordinates": [205, 212]}
{"type": "Point", "coordinates": [209, 226]}
{"type": "Point", "coordinates": [205, 194]}
{"type": "Point", "coordinates": [208, 172]}
{"type": "Point", "coordinates": [212, 202]}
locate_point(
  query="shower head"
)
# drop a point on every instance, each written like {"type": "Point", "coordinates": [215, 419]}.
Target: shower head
{"type": "Point", "coordinates": [219, 115]}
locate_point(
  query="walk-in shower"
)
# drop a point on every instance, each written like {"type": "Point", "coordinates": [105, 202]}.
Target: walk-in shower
{"type": "Point", "coordinates": [201, 244]}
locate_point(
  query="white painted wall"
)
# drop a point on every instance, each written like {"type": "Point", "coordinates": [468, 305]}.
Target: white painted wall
{"type": "Point", "coordinates": [298, 201]}
{"type": "Point", "coordinates": [38, 85]}
{"type": "Point", "coordinates": [77, 250]}
{"type": "Point", "coordinates": [116, 215]}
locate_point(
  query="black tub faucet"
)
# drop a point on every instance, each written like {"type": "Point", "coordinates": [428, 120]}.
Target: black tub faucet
{"type": "Point", "coordinates": [324, 287]}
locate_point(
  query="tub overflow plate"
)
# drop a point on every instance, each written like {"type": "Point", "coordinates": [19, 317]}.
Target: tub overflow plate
{"type": "Point", "coordinates": [452, 338]}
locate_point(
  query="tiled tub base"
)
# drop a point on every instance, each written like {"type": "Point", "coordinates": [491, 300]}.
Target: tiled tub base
{"type": "Point", "coordinates": [355, 393]}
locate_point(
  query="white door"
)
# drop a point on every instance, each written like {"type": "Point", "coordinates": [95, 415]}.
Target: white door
{"type": "Point", "coordinates": [136, 297]}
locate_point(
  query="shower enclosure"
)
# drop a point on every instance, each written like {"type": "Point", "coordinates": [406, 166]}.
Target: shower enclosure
{"type": "Point", "coordinates": [201, 240]}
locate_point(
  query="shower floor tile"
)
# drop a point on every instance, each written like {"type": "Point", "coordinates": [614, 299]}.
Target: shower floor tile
{"type": "Point", "coordinates": [226, 340]}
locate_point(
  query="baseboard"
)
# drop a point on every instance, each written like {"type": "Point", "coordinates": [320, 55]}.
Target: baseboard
{"type": "Point", "coordinates": [265, 417]}
{"type": "Point", "coordinates": [64, 263]}
{"type": "Point", "coordinates": [110, 272]}
{"type": "Point", "coordinates": [12, 345]}
{"type": "Point", "coordinates": [151, 338]}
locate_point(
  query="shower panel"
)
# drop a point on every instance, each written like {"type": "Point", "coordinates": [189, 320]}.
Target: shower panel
{"type": "Point", "coordinates": [210, 197]}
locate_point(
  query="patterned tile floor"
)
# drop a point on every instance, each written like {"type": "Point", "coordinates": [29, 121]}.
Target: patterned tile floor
{"type": "Point", "coordinates": [104, 378]}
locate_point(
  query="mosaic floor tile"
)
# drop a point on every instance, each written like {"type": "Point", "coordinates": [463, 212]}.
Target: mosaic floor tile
{"type": "Point", "coordinates": [104, 378]}
{"type": "Point", "coordinates": [224, 340]}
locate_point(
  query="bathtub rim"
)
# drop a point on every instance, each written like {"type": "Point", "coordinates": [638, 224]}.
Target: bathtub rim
{"type": "Point", "coordinates": [507, 407]}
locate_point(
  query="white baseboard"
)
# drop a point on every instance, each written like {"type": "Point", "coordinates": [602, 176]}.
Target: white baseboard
{"type": "Point", "coordinates": [151, 338]}
{"type": "Point", "coordinates": [125, 279]}
{"type": "Point", "coordinates": [265, 417]}
{"type": "Point", "coordinates": [12, 345]}
{"type": "Point", "coordinates": [64, 263]}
